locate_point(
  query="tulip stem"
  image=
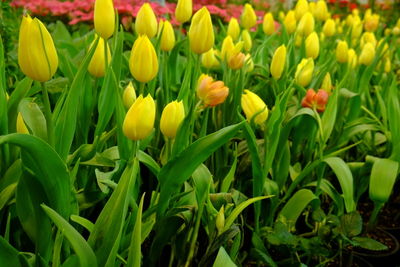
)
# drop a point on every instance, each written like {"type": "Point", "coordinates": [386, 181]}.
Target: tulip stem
{"type": "Point", "coordinates": [48, 115]}
{"type": "Point", "coordinates": [141, 89]}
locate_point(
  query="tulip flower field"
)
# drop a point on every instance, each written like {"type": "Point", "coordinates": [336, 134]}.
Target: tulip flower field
{"type": "Point", "coordinates": [199, 133]}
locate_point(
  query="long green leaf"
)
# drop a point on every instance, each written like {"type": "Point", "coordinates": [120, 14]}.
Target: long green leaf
{"type": "Point", "coordinates": [345, 178]}
{"type": "Point", "coordinates": [9, 256]}
{"type": "Point", "coordinates": [82, 249]}
{"type": "Point", "coordinates": [107, 230]}
{"type": "Point", "coordinates": [180, 168]}
{"type": "Point", "coordinates": [295, 206]}
{"type": "Point", "coordinates": [236, 212]}
{"type": "Point", "coordinates": [135, 254]}
{"type": "Point", "coordinates": [223, 259]}
{"type": "Point", "coordinates": [65, 123]}
{"type": "Point", "coordinates": [383, 177]}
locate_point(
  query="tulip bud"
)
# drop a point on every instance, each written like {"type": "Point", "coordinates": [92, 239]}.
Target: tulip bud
{"type": "Point", "coordinates": [281, 16]}
{"type": "Point", "coordinates": [183, 10]}
{"type": "Point", "coordinates": [139, 120]}
{"type": "Point", "coordinates": [315, 100]}
{"type": "Point", "coordinates": [396, 31]}
{"type": "Point", "coordinates": [210, 92]}
{"type": "Point", "coordinates": [249, 64]}
{"type": "Point", "coordinates": [356, 30]}
{"type": "Point", "coordinates": [301, 8]}
{"type": "Point", "coordinates": [367, 54]}
{"type": "Point", "coordinates": [233, 29]}
{"type": "Point", "coordinates": [227, 47]}
{"type": "Point", "coordinates": [352, 58]}
{"type": "Point", "coordinates": [37, 56]}
{"type": "Point", "coordinates": [327, 83]}
{"type": "Point", "coordinates": [290, 22]}
{"type": "Point", "coordinates": [236, 60]}
{"type": "Point", "coordinates": [171, 118]}
{"type": "Point", "coordinates": [371, 23]}
{"type": "Point", "coordinates": [146, 21]}
{"type": "Point", "coordinates": [209, 60]}
{"type": "Point", "coordinates": [304, 72]}
{"type": "Point", "coordinates": [21, 126]}
{"type": "Point", "coordinates": [311, 7]}
{"type": "Point", "coordinates": [329, 28]}
{"type": "Point", "coordinates": [201, 32]}
{"type": "Point", "coordinates": [368, 37]}
{"type": "Point", "coordinates": [129, 96]}
{"type": "Point", "coordinates": [306, 25]}
{"type": "Point", "coordinates": [254, 107]}
{"type": "Point", "coordinates": [248, 43]}
{"type": "Point", "coordinates": [388, 65]}
{"type": "Point", "coordinates": [248, 18]}
{"type": "Point", "coordinates": [312, 45]}
{"type": "Point", "coordinates": [167, 41]}
{"type": "Point", "coordinates": [143, 62]}
{"type": "Point", "coordinates": [321, 10]}
{"type": "Point", "coordinates": [97, 65]}
{"type": "Point", "coordinates": [268, 24]}
{"type": "Point", "coordinates": [278, 62]}
{"type": "Point", "coordinates": [341, 52]}
{"type": "Point", "coordinates": [104, 18]}
{"type": "Point", "coordinates": [220, 220]}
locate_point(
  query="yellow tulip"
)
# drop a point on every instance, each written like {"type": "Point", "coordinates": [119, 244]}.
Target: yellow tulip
{"type": "Point", "coordinates": [301, 8]}
{"type": "Point", "coordinates": [211, 92]}
{"type": "Point", "coordinates": [349, 20]}
{"type": "Point", "coordinates": [278, 62]}
{"type": "Point", "coordinates": [227, 47]}
{"type": "Point", "coordinates": [21, 126]}
{"type": "Point", "coordinates": [254, 107]}
{"type": "Point", "coordinates": [248, 18]}
{"type": "Point", "coordinates": [396, 31]}
{"type": "Point", "coordinates": [171, 118]}
{"type": "Point", "coordinates": [356, 30]}
{"type": "Point", "coordinates": [248, 43]}
{"type": "Point", "coordinates": [146, 21]}
{"type": "Point", "coordinates": [327, 83]}
{"type": "Point", "coordinates": [235, 58]}
{"type": "Point", "coordinates": [129, 96]}
{"type": "Point", "coordinates": [167, 41]}
{"type": "Point", "coordinates": [321, 11]}
{"type": "Point", "coordinates": [37, 56]}
{"type": "Point", "coordinates": [367, 54]}
{"type": "Point", "coordinates": [311, 7]}
{"type": "Point", "coordinates": [329, 28]}
{"type": "Point", "coordinates": [304, 72]}
{"type": "Point", "coordinates": [209, 60]}
{"type": "Point", "coordinates": [312, 45]}
{"type": "Point", "coordinates": [143, 62]}
{"type": "Point", "coordinates": [388, 65]}
{"type": "Point", "coordinates": [268, 24]}
{"type": "Point", "coordinates": [368, 37]}
{"type": "Point", "coordinates": [290, 22]}
{"type": "Point", "coordinates": [97, 65]}
{"type": "Point", "coordinates": [183, 10]}
{"type": "Point", "coordinates": [306, 25]}
{"type": "Point", "coordinates": [371, 23]}
{"type": "Point", "coordinates": [104, 18]}
{"type": "Point", "coordinates": [201, 32]}
{"type": "Point", "coordinates": [352, 58]}
{"type": "Point", "coordinates": [139, 120]}
{"type": "Point", "coordinates": [342, 52]}
{"type": "Point", "coordinates": [233, 29]}
{"type": "Point", "coordinates": [281, 16]}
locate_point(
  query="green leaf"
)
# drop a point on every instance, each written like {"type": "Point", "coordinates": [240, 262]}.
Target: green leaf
{"type": "Point", "coordinates": [383, 177]}
{"type": "Point", "coordinates": [330, 190]}
{"type": "Point", "coordinates": [48, 167]}
{"type": "Point", "coordinates": [181, 167]}
{"type": "Point", "coordinates": [328, 119]}
{"type": "Point", "coordinates": [80, 246]}
{"type": "Point", "coordinates": [368, 243]}
{"type": "Point", "coordinates": [9, 256]}
{"type": "Point", "coordinates": [105, 237]}
{"type": "Point", "coordinates": [33, 118]}
{"type": "Point", "coordinates": [135, 254]}
{"type": "Point", "coordinates": [150, 163]}
{"type": "Point", "coordinates": [223, 259]}
{"type": "Point", "coordinates": [65, 123]}
{"type": "Point", "coordinates": [351, 224]}
{"type": "Point", "coordinates": [6, 194]}
{"type": "Point", "coordinates": [227, 181]}
{"type": "Point", "coordinates": [236, 212]}
{"type": "Point", "coordinates": [393, 118]}
{"type": "Point", "coordinates": [17, 95]}
{"type": "Point", "coordinates": [295, 206]}
{"type": "Point", "coordinates": [345, 178]}
{"type": "Point", "coordinates": [83, 222]}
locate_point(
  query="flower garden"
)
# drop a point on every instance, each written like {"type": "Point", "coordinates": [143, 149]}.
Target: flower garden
{"type": "Point", "coordinates": [199, 133]}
